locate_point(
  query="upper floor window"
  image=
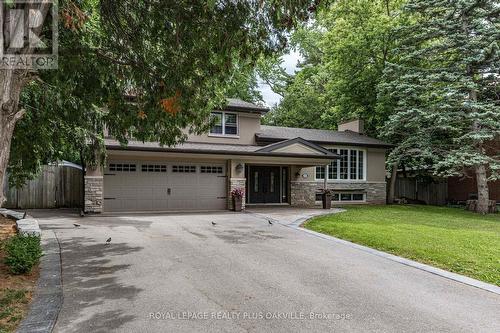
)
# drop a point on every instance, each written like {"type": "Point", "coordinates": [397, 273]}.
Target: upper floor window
{"type": "Point", "coordinates": [350, 165]}
{"type": "Point", "coordinates": [224, 123]}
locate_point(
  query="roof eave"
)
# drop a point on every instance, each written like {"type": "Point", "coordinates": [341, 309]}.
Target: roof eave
{"type": "Point", "coordinates": [263, 139]}
{"type": "Point", "coordinates": [218, 152]}
{"type": "Point", "coordinates": [245, 109]}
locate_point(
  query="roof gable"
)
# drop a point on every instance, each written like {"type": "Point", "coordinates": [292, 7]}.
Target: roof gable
{"type": "Point", "coordinates": [297, 146]}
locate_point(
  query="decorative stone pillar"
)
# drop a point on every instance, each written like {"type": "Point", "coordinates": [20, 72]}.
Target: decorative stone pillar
{"type": "Point", "coordinates": [303, 194]}
{"type": "Point", "coordinates": [236, 183]}
{"type": "Point", "coordinates": [93, 194]}
{"type": "Point", "coordinates": [236, 179]}
{"type": "Point", "coordinates": [94, 186]}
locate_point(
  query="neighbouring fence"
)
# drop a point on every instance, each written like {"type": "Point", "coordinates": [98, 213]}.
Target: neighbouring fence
{"type": "Point", "coordinates": [431, 192]}
{"type": "Point", "coordinates": [57, 186]}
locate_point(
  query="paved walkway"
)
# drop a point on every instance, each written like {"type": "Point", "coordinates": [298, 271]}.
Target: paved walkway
{"type": "Point", "coordinates": [180, 273]}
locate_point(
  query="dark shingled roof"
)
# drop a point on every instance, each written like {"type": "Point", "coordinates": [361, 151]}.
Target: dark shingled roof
{"type": "Point", "coordinates": [209, 148]}
{"type": "Point", "coordinates": [275, 133]}
{"type": "Point", "coordinates": [235, 104]}
{"type": "Point", "coordinates": [185, 146]}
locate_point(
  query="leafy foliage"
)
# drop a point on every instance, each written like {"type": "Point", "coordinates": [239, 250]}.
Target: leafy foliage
{"type": "Point", "coordinates": [345, 52]}
{"type": "Point", "coordinates": [445, 88]}
{"type": "Point", "coordinates": [145, 79]}
{"type": "Point", "coordinates": [22, 253]}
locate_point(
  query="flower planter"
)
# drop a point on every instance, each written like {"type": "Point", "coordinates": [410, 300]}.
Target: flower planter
{"type": "Point", "coordinates": [237, 194]}
{"type": "Point", "coordinates": [326, 199]}
{"type": "Point", "coordinates": [237, 204]}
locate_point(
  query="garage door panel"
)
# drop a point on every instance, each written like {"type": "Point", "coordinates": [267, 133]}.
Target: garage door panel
{"type": "Point", "coordinates": [159, 204]}
{"type": "Point", "coordinates": [148, 190]}
{"type": "Point", "coordinates": [159, 193]}
{"type": "Point", "coordinates": [143, 192]}
{"type": "Point", "coordinates": [184, 180]}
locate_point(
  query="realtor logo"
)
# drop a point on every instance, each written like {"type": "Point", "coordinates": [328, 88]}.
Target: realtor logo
{"type": "Point", "coordinates": [29, 35]}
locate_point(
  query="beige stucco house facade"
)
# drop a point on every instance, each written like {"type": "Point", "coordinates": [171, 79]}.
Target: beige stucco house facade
{"type": "Point", "coordinates": [273, 165]}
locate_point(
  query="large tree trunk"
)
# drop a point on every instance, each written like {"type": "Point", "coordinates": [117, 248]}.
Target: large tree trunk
{"type": "Point", "coordinates": [11, 83]}
{"type": "Point", "coordinates": [483, 196]}
{"type": "Point", "coordinates": [13, 80]}
{"type": "Point", "coordinates": [392, 184]}
{"type": "Point", "coordinates": [480, 170]}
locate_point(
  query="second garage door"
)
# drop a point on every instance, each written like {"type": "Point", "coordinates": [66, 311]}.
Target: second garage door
{"type": "Point", "coordinates": [154, 186]}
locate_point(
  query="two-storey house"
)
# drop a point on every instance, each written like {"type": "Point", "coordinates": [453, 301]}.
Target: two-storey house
{"type": "Point", "coordinates": [274, 166]}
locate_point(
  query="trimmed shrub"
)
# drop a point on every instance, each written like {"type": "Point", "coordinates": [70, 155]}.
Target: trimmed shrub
{"type": "Point", "coordinates": [22, 253]}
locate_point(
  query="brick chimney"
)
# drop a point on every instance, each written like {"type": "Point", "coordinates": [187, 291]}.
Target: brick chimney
{"type": "Point", "coordinates": [356, 125]}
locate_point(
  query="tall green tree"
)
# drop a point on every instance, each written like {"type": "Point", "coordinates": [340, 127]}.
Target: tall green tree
{"type": "Point", "coordinates": [445, 88]}
{"type": "Point", "coordinates": [244, 84]}
{"type": "Point", "coordinates": [345, 52]}
{"type": "Point", "coordinates": [144, 69]}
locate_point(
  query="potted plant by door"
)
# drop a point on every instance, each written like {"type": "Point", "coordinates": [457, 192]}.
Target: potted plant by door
{"type": "Point", "coordinates": [326, 198]}
{"type": "Point", "coordinates": [237, 195]}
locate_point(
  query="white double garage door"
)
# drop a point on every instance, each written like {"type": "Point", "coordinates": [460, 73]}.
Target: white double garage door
{"type": "Point", "coordinates": [156, 186]}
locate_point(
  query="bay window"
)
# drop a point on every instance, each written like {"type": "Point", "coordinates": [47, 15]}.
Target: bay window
{"type": "Point", "coordinates": [350, 165]}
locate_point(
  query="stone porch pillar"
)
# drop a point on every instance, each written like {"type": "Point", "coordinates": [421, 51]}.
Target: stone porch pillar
{"type": "Point", "coordinates": [302, 188]}
{"type": "Point", "coordinates": [94, 187]}
{"type": "Point", "coordinates": [236, 179]}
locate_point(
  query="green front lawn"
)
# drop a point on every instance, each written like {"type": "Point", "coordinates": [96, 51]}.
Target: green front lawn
{"type": "Point", "coordinates": [450, 238]}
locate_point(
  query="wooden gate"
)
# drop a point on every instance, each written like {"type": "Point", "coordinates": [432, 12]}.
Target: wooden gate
{"type": "Point", "coordinates": [57, 186]}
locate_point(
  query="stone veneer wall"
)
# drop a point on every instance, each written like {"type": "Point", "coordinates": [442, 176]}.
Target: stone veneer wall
{"type": "Point", "coordinates": [376, 192]}
{"type": "Point", "coordinates": [93, 194]}
{"type": "Point", "coordinates": [232, 184]}
{"type": "Point", "coordinates": [303, 194]}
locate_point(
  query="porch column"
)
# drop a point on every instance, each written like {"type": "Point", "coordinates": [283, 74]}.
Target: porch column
{"type": "Point", "coordinates": [94, 186]}
{"type": "Point", "coordinates": [302, 189]}
{"type": "Point", "coordinates": [236, 179]}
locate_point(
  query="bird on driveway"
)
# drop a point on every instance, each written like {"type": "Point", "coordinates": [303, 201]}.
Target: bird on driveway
{"type": "Point", "coordinates": [213, 223]}
{"type": "Point", "coordinates": [270, 222]}
{"type": "Point", "coordinates": [76, 224]}
{"type": "Point", "coordinates": [108, 241]}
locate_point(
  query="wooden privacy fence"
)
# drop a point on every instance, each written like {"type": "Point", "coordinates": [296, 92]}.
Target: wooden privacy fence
{"type": "Point", "coordinates": [57, 186]}
{"type": "Point", "coordinates": [433, 192]}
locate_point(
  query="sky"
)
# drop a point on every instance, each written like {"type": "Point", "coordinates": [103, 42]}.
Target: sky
{"type": "Point", "coordinates": [290, 61]}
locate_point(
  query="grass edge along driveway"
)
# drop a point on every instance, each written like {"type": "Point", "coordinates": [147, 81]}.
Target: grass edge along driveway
{"type": "Point", "coordinates": [449, 238]}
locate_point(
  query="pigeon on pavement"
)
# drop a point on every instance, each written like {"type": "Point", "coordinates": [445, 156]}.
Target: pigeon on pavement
{"type": "Point", "coordinates": [108, 240]}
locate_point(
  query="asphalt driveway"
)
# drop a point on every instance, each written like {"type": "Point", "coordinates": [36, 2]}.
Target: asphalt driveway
{"type": "Point", "coordinates": [180, 273]}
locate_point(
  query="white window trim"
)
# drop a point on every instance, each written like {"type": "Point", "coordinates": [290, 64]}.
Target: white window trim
{"type": "Point", "coordinates": [365, 160]}
{"type": "Point", "coordinates": [223, 134]}
{"type": "Point", "coordinates": [346, 201]}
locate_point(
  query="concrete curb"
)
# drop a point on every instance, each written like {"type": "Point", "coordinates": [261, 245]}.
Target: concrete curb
{"type": "Point", "coordinates": [26, 225]}
{"type": "Point", "coordinates": [427, 268]}
{"type": "Point", "coordinates": [47, 302]}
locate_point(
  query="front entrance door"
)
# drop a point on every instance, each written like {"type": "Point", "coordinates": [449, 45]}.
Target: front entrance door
{"type": "Point", "coordinates": [264, 184]}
